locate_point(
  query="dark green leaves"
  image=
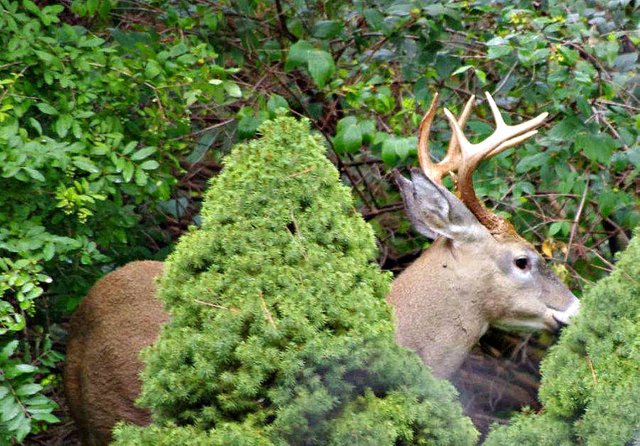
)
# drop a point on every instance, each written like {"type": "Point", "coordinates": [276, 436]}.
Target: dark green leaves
{"type": "Point", "coordinates": [318, 62]}
{"type": "Point", "coordinates": [326, 29]}
{"type": "Point", "coordinates": [597, 147]}
{"type": "Point", "coordinates": [395, 149]}
{"type": "Point", "coordinates": [21, 404]}
{"type": "Point", "coordinates": [352, 133]}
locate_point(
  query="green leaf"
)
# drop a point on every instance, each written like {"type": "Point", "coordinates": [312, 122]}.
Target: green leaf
{"type": "Point", "coordinates": [566, 129]}
{"type": "Point", "coordinates": [326, 29]}
{"type": "Point", "coordinates": [532, 162]}
{"type": "Point", "coordinates": [232, 89]}
{"type": "Point", "coordinates": [374, 19]}
{"type": "Point", "coordinates": [368, 128]}
{"type": "Point", "coordinates": [9, 410]}
{"type": "Point", "coordinates": [555, 228]}
{"type": "Point", "coordinates": [140, 177]}
{"type": "Point", "coordinates": [18, 420]}
{"type": "Point", "coordinates": [152, 69]}
{"type": "Point", "coordinates": [129, 147]}
{"type": "Point", "coordinates": [47, 58]}
{"type": "Point", "coordinates": [36, 125]}
{"type": "Point", "coordinates": [48, 251]}
{"type": "Point", "coordinates": [607, 201]}
{"type": "Point", "coordinates": [85, 164]}
{"type": "Point", "coordinates": [45, 416]}
{"type": "Point", "coordinates": [28, 389]}
{"type": "Point", "coordinates": [63, 124]}
{"type": "Point", "coordinates": [462, 69]}
{"type": "Point", "coordinates": [127, 171]}
{"type": "Point", "coordinates": [321, 66]}
{"type": "Point", "coordinates": [46, 109]}
{"type": "Point", "coordinates": [91, 42]}
{"type": "Point", "coordinates": [25, 368]}
{"type": "Point", "coordinates": [31, 7]}
{"type": "Point", "coordinates": [247, 126]}
{"type": "Point", "coordinates": [33, 173]}
{"type": "Point", "coordinates": [434, 10]}
{"type": "Point", "coordinates": [597, 147]}
{"type": "Point", "coordinates": [275, 102]}
{"type": "Point", "coordinates": [143, 153]}
{"type": "Point", "coordinates": [298, 55]}
{"type": "Point", "coordinates": [92, 6]}
{"type": "Point", "coordinates": [499, 51]}
{"type": "Point", "coordinates": [388, 154]}
{"type": "Point", "coordinates": [348, 139]}
{"type": "Point", "coordinates": [8, 350]}
{"type": "Point", "coordinates": [149, 165]}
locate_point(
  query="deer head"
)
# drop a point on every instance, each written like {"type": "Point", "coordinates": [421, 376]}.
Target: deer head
{"type": "Point", "coordinates": [479, 271]}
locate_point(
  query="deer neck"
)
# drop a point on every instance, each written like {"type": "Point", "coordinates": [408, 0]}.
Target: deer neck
{"type": "Point", "coordinates": [439, 311]}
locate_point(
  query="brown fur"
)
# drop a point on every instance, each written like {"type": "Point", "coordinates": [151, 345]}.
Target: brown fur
{"type": "Point", "coordinates": [118, 318]}
{"type": "Point", "coordinates": [445, 301]}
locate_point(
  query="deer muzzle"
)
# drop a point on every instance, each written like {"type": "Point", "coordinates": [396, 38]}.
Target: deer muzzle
{"type": "Point", "coordinates": [564, 317]}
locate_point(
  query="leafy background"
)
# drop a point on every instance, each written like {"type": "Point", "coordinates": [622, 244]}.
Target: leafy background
{"type": "Point", "coordinates": [113, 115]}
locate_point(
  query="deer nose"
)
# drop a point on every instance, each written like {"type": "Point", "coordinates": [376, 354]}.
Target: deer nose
{"type": "Point", "coordinates": [565, 316]}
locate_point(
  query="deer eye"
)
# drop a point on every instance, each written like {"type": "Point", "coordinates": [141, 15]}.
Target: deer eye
{"type": "Point", "coordinates": [522, 263]}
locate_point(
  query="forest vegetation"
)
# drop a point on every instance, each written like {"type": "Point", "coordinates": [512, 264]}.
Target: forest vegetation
{"type": "Point", "coordinates": [115, 114]}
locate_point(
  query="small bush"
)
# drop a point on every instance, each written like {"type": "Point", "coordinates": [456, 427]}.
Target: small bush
{"type": "Point", "coordinates": [591, 378]}
{"type": "Point", "coordinates": [280, 333]}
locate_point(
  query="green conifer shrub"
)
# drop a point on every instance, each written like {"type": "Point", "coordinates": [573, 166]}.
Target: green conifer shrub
{"type": "Point", "coordinates": [280, 333]}
{"type": "Point", "coordinates": [591, 378]}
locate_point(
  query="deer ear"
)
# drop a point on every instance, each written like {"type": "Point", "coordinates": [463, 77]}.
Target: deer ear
{"type": "Point", "coordinates": [434, 211]}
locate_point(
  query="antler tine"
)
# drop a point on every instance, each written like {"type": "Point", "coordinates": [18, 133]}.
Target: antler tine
{"type": "Point", "coordinates": [426, 164]}
{"type": "Point", "coordinates": [503, 137]}
{"type": "Point", "coordinates": [453, 157]}
{"type": "Point", "coordinates": [451, 161]}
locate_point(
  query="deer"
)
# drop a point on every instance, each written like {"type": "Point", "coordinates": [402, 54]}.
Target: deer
{"type": "Point", "coordinates": [478, 272]}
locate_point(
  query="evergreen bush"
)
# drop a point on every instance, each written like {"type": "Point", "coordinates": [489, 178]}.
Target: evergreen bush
{"type": "Point", "coordinates": [591, 378]}
{"type": "Point", "coordinates": [280, 333]}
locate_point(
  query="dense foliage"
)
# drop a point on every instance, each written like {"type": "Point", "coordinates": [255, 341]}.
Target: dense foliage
{"type": "Point", "coordinates": [103, 104]}
{"type": "Point", "coordinates": [364, 72]}
{"type": "Point", "coordinates": [88, 130]}
{"type": "Point", "coordinates": [280, 333]}
{"type": "Point", "coordinates": [591, 378]}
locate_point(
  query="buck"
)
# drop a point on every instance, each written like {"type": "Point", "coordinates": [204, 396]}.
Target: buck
{"type": "Point", "coordinates": [478, 272]}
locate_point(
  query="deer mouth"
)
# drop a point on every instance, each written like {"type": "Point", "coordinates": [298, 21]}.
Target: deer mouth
{"type": "Point", "coordinates": [564, 317]}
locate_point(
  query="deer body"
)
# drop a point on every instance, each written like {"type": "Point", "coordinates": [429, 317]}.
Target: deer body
{"type": "Point", "coordinates": [478, 272]}
{"type": "Point", "coordinates": [120, 316]}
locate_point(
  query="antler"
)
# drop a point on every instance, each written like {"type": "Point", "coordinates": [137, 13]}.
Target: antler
{"type": "Point", "coordinates": [451, 162]}
{"type": "Point", "coordinates": [502, 138]}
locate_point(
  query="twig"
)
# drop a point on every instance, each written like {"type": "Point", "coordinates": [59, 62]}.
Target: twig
{"type": "Point", "coordinates": [576, 219]}
{"type": "Point", "coordinates": [211, 127]}
{"type": "Point", "coordinates": [266, 310]}
{"type": "Point", "coordinates": [209, 304]}
{"type": "Point", "coordinates": [617, 104]}
{"type": "Point", "coordinates": [284, 30]}
{"type": "Point", "coordinates": [367, 215]}
{"type": "Point", "coordinates": [593, 370]}
{"type": "Point", "coordinates": [302, 172]}
{"type": "Point", "coordinates": [506, 78]}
